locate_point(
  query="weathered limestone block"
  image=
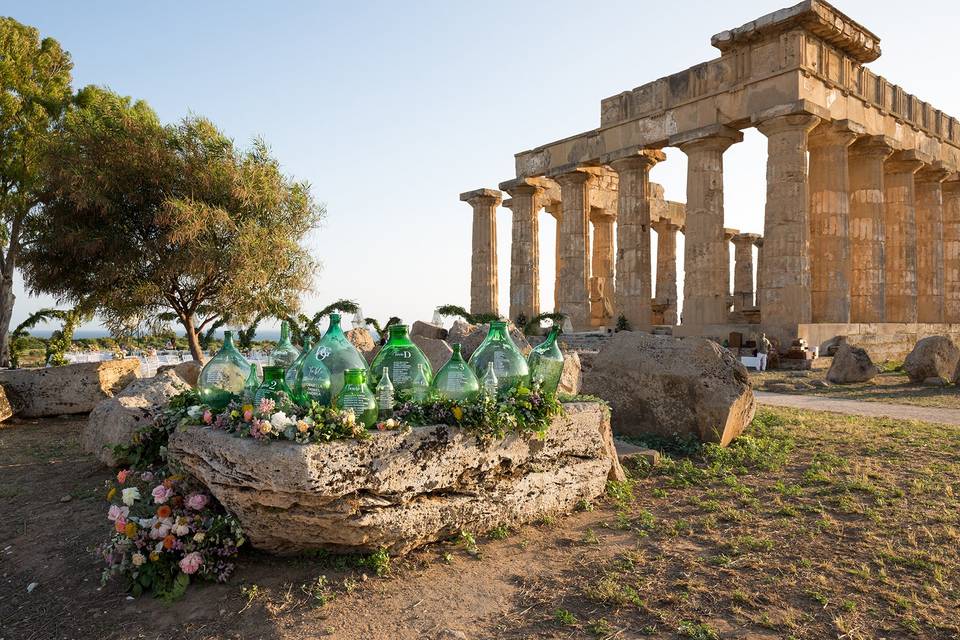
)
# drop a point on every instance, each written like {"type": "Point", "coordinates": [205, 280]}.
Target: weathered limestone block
{"type": "Point", "coordinates": [932, 357]}
{"type": "Point", "coordinates": [664, 386]}
{"type": "Point", "coordinates": [851, 364]}
{"type": "Point", "coordinates": [399, 490]}
{"type": "Point", "coordinates": [188, 370]}
{"type": "Point", "coordinates": [115, 420]}
{"type": "Point", "coordinates": [363, 341]}
{"type": "Point", "coordinates": [72, 388]}
{"type": "Point", "coordinates": [570, 378]}
{"type": "Point", "coordinates": [6, 406]}
{"type": "Point", "coordinates": [471, 335]}
{"type": "Point", "coordinates": [437, 351]}
{"type": "Point", "coordinates": [428, 330]}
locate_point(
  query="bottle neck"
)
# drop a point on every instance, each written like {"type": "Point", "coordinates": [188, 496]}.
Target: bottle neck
{"type": "Point", "coordinates": [398, 333]}
{"type": "Point", "coordinates": [457, 351]}
{"type": "Point", "coordinates": [498, 330]}
{"type": "Point", "coordinates": [352, 376]}
{"type": "Point", "coordinates": [554, 333]}
{"type": "Point", "coordinates": [228, 341]}
{"type": "Point", "coordinates": [271, 374]}
{"type": "Point", "coordinates": [334, 328]}
{"type": "Point", "coordinates": [284, 332]}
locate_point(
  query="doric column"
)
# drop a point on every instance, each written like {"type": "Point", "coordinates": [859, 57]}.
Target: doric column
{"type": "Point", "coordinates": [633, 288]}
{"type": "Point", "coordinates": [830, 222]}
{"type": "Point", "coordinates": [524, 248]}
{"type": "Point", "coordinates": [667, 268]}
{"type": "Point", "coordinates": [573, 248]}
{"type": "Point", "coordinates": [951, 249]}
{"type": "Point", "coordinates": [758, 296]}
{"type": "Point", "coordinates": [728, 236]}
{"type": "Point", "coordinates": [483, 273]}
{"type": "Point", "coordinates": [930, 242]}
{"type": "Point", "coordinates": [706, 282]}
{"type": "Point", "coordinates": [785, 268]}
{"type": "Point", "coordinates": [867, 155]}
{"type": "Point", "coordinates": [601, 279]}
{"type": "Point", "coordinates": [743, 270]}
{"type": "Point", "coordinates": [900, 241]}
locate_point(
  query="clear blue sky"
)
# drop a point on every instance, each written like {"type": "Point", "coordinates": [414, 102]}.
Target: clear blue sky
{"type": "Point", "coordinates": [391, 109]}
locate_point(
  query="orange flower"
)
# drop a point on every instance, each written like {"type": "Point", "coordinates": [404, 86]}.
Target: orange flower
{"type": "Point", "coordinates": [168, 483]}
{"type": "Point", "coordinates": [120, 526]}
{"type": "Point", "coordinates": [163, 511]}
{"type": "Point", "coordinates": [168, 542]}
{"type": "Point", "coordinates": [131, 530]}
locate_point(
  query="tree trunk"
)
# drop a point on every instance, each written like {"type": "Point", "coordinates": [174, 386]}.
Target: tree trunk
{"type": "Point", "coordinates": [6, 311]}
{"type": "Point", "coordinates": [192, 338]}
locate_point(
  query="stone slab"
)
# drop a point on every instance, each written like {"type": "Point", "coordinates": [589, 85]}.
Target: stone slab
{"type": "Point", "coordinates": [72, 388]}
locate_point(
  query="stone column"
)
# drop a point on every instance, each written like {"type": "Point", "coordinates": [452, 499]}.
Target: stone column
{"type": "Point", "coordinates": [706, 283]}
{"type": "Point", "coordinates": [830, 222]}
{"type": "Point", "coordinates": [785, 268]}
{"type": "Point", "coordinates": [867, 155]}
{"type": "Point", "coordinates": [728, 236]}
{"type": "Point", "coordinates": [483, 273]}
{"type": "Point", "coordinates": [951, 250]}
{"type": "Point", "coordinates": [667, 268]}
{"type": "Point", "coordinates": [900, 241]}
{"type": "Point", "coordinates": [601, 280]}
{"type": "Point", "coordinates": [573, 248]}
{"type": "Point", "coordinates": [524, 249]}
{"type": "Point", "coordinates": [927, 183]}
{"type": "Point", "coordinates": [758, 243]}
{"type": "Point", "coordinates": [633, 288]}
{"type": "Point", "coordinates": [743, 270]}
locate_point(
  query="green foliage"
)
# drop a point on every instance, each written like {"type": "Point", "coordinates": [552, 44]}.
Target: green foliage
{"type": "Point", "coordinates": [697, 631]}
{"type": "Point", "coordinates": [379, 561]}
{"type": "Point", "coordinates": [382, 331]}
{"type": "Point", "coordinates": [472, 318]}
{"type": "Point", "coordinates": [148, 446]}
{"type": "Point", "coordinates": [532, 326]}
{"type": "Point", "coordinates": [60, 340]}
{"type": "Point", "coordinates": [144, 218]}
{"type": "Point", "coordinates": [564, 617]}
{"type": "Point", "coordinates": [622, 323]}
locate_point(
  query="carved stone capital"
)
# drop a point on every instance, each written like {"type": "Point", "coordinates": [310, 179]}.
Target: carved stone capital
{"type": "Point", "coordinates": [645, 159]}
{"type": "Point", "coordinates": [841, 133]}
{"type": "Point", "coordinates": [716, 137]}
{"type": "Point", "coordinates": [879, 147]}
{"type": "Point", "coordinates": [791, 122]}
{"type": "Point", "coordinates": [747, 238]}
{"type": "Point", "coordinates": [906, 161]}
{"type": "Point", "coordinates": [519, 187]}
{"type": "Point", "coordinates": [481, 197]}
{"type": "Point", "coordinates": [933, 173]}
{"type": "Point", "coordinates": [573, 178]}
{"type": "Point", "coordinates": [730, 234]}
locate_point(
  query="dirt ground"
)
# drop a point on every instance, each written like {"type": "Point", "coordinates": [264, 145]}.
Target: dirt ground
{"type": "Point", "coordinates": [813, 526]}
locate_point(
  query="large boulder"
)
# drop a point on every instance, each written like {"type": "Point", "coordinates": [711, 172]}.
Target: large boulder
{"type": "Point", "coordinates": [932, 357]}
{"type": "Point", "coordinates": [428, 330]}
{"type": "Point", "coordinates": [115, 420]}
{"type": "Point", "coordinates": [570, 377]}
{"type": "Point", "coordinates": [363, 341]}
{"type": "Point", "coordinates": [437, 351]}
{"type": "Point", "coordinates": [664, 386]}
{"type": "Point", "coordinates": [400, 489]}
{"type": "Point", "coordinates": [851, 364]}
{"type": "Point", "coordinates": [188, 370]}
{"type": "Point", "coordinates": [72, 388]}
{"type": "Point", "coordinates": [471, 335]}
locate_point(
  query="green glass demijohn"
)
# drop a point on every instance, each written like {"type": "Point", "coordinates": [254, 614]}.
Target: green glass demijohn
{"type": "Point", "coordinates": [313, 381]}
{"type": "Point", "coordinates": [402, 358]}
{"type": "Point", "coordinates": [284, 353]}
{"type": "Point", "coordinates": [357, 396]}
{"type": "Point", "coordinates": [251, 385]}
{"type": "Point", "coordinates": [498, 349]}
{"type": "Point", "coordinates": [274, 387]}
{"type": "Point", "coordinates": [456, 380]}
{"type": "Point", "coordinates": [293, 371]}
{"type": "Point", "coordinates": [222, 378]}
{"type": "Point", "coordinates": [546, 362]}
{"type": "Point", "coordinates": [337, 353]}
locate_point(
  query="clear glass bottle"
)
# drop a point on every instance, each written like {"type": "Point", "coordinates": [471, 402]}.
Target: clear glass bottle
{"type": "Point", "coordinates": [222, 378]}
{"type": "Point", "coordinates": [489, 382]}
{"type": "Point", "coordinates": [546, 362]}
{"type": "Point", "coordinates": [356, 396]}
{"type": "Point", "coordinates": [456, 380]}
{"type": "Point", "coordinates": [385, 392]}
{"type": "Point", "coordinates": [499, 350]}
{"type": "Point", "coordinates": [420, 384]}
{"type": "Point", "coordinates": [402, 357]}
{"type": "Point", "coordinates": [251, 385]}
{"type": "Point", "coordinates": [337, 354]}
{"type": "Point", "coordinates": [293, 371]}
{"type": "Point", "coordinates": [284, 353]}
{"type": "Point", "coordinates": [274, 387]}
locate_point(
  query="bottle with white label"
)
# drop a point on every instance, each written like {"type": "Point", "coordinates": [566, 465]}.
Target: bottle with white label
{"type": "Point", "coordinates": [385, 392]}
{"type": "Point", "coordinates": [401, 357]}
{"type": "Point", "coordinates": [456, 380]}
{"type": "Point", "coordinates": [356, 396]}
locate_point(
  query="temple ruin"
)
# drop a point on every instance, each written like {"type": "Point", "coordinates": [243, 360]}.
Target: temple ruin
{"type": "Point", "coordinates": [862, 218]}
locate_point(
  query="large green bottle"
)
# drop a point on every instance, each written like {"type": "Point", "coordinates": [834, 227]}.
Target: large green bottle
{"type": "Point", "coordinates": [284, 354]}
{"type": "Point", "coordinates": [337, 355]}
{"type": "Point", "coordinates": [222, 378]}
{"type": "Point", "coordinates": [402, 358]}
{"type": "Point", "coordinates": [273, 387]}
{"type": "Point", "coordinates": [546, 362]}
{"type": "Point", "coordinates": [499, 350]}
{"type": "Point", "coordinates": [356, 395]}
{"type": "Point", "coordinates": [293, 371]}
{"type": "Point", "coordinates": [456, 380]}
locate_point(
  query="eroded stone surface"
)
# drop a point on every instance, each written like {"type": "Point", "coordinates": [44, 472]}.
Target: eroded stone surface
{"type": "Point", "coordinates": [932, 357]}
{"type": "Point", "coordinates": [73, 388]}
{"type": "Point", "coordinates": [399, 490]}
{"type": "Point", "coordinates": [851, 364]}
{"type": "Point", "coordinates": [438, 352]}
{"type": "Point", "coordinates": [570, 377]}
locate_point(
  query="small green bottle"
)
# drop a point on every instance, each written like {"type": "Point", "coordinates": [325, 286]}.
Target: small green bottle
{"type": "Point", "coordinates": [223, 377]}
{"type": "Point", "coordinates": [284, 354]}
{"type": "Point", "coordinates": [489, 383]}
{"type": "Point", "coordinates": [357, 397]}
{"type": "Point", "coordinates": [402, 357]}
{"type": "Point", "coordinates": [294, 370]}
{"type": "Point", "coordinates": [499, 350]}
{"type": "Point", "coordinates": [337, 353]}
{"type": "Point", "coordinates": [385, 396]}
{"type": "Point", "coordinates": [251, 385]}
{"type": "Point", "coordinates": [274, 387]}
{"type": "Point", "coordinates": [546, 362]}
{"type": "Point", "coordinates": [456, 380]}
{"type": "Point", "coordinates": [420, 384]}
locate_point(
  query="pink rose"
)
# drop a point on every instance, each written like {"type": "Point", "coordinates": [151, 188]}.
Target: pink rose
{"type": "Point", "coordinates": [120, 525]}
{"type": "Point", "coordinates": [161, 494]}
{"type": "Point", "coordinates": [116, 512]}
{"type": "Point", "coordinates": [267, 405]}
{"type": "Point", "coordinates": [196, 501]}
{"type": "Point", "coordinates": [191, 562]}
{"type": "Point", "coordinates": [207, 417]}
{"type": "Point", "coordinates": [146, 476]}
{"type": "Point", "coordinates": [122, 475]}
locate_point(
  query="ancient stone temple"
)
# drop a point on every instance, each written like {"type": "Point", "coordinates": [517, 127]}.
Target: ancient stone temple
{"type": "Point", "coordinates": [861, 230]}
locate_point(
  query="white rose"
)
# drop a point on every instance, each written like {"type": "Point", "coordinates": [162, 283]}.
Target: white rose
{"type": "Point", "coordinates": [181, 530]}
{"type": "Point", "coordinates": [199, 537]}
{"type": "Point", "coordinates": [138, 559]}
{"type": "Point", "coordinates": [130, 495]}
{"type": "Point", "coordinates": [195, 412]}
{"type": "Point", "coordinates": [280, 420]}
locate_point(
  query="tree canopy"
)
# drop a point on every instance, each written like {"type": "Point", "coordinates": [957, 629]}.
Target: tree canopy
{"type": "Point", "coordinates": [141, 217]}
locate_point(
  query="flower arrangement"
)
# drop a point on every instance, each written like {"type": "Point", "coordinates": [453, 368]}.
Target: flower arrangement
{"type": "Point", "coordinates": [166, 531]}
